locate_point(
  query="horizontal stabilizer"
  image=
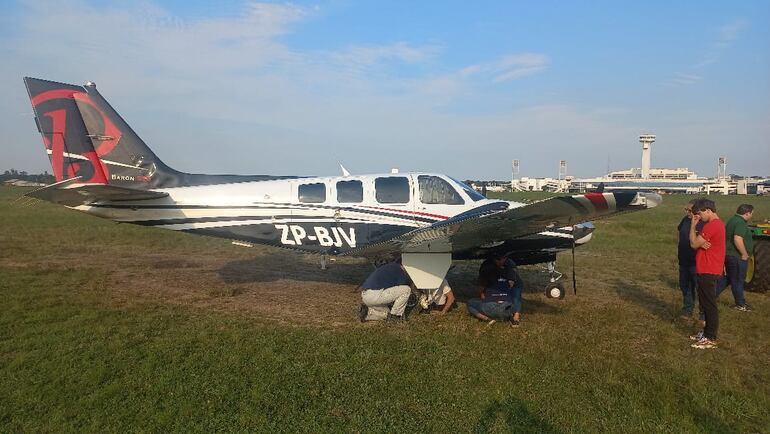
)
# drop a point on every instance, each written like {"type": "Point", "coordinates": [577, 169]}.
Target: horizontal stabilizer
{"type": "Point", "coordinates": [70, 193]}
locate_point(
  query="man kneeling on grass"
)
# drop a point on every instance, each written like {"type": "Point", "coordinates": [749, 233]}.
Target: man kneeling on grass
{"type": "Point", "coordinates": [499, 289]}
{"type": "Point", "coordinates": [387, 285]}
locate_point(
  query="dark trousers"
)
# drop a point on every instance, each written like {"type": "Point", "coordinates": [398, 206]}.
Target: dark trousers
{"type": "Point", "coordinates": [736, 276]}
{"type": "Point", "coordinates": [707, 297]}
{"type": "Point", "coordinates": [687, 283]}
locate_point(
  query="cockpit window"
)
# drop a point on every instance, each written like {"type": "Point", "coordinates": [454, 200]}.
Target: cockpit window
{"type": "Point", "coordinates": [312, 193]}
{"type": "Point", "coordinates": [392, 189]}
{"type": "Point", "coordinates": [434, 190]}
{"type": "Point", "coordinates": [350, 192]}
{"type": "Point", "coordinates": [475, 195]}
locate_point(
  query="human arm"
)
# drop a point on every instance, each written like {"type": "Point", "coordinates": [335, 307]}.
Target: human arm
{"type": "Point", "coordinates": [740, 247]}
{"type": "Point", "coordinates": [450, 299]}
{"type": "Point", "coordinates": [480, 291]}
{"type": "Point", "coordinates": [697, 241]}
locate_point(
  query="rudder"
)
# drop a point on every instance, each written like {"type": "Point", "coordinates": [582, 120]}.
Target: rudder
{"type": "Point", "coordinates": [86, 137]}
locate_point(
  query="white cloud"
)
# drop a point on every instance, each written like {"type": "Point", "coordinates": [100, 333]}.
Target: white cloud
{"type": "Point", "coordinates": [726, 35]}
{"type": "Point", "coordinates": [508, 67]}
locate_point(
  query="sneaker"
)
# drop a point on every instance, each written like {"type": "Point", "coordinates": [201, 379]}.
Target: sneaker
{"type": "Point", "coordinates": [363, 312]}
{"type": "Point", "coordinates": [743, 308]}
{"type": "Point", "coordinates": [696, 337]}
{"type": "Point", "coordinates": [704, 344]}
{"type": "Point", "coordinates": [490, 322]}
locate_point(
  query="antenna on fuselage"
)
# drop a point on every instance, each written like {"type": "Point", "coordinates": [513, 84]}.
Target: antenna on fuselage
{"type": "Point", "coordinates": [344, 170]}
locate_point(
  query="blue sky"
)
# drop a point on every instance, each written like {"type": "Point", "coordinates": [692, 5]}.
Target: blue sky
{"type": "Point", "coordinates": [451, 87]}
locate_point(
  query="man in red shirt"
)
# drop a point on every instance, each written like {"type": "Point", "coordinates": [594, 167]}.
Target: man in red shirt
{"type": "Point", "coordinates": [709, 248]}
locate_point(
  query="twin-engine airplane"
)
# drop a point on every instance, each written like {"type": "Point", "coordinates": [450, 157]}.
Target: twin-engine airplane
{"type": "Point", "coordinates": [103, 168]}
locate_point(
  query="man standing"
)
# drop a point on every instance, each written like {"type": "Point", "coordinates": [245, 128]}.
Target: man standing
{"type": "Point", "coordinates": [709, 263]}
{"type": "Point", "coordinates": [388, 284]}
{"type": "Point", "coordinates": [686, 256]}
{"type": "Point", "coordinates": [739, 248]}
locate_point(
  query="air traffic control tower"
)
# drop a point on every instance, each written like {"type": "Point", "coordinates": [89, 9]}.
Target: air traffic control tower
{"type": "Point", "coordinates": [646, 140]}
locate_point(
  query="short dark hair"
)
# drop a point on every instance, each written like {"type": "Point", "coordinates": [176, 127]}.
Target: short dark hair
{"type": "Point", "coordinates": [704, 204]}
{"type": "Point", "coordinates": [744, 208]}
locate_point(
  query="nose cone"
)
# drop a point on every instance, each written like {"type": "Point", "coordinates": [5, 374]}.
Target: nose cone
{"type": "Point", "coordinates": [646, 200]}
{"type": "Point", "coordinates": [583, 232]}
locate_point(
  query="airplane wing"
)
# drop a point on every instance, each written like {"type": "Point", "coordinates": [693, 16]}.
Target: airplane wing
{"type": "Point", "coordinates": [497, 222]}
{"type": "Point", "coordinates": [70, 193]}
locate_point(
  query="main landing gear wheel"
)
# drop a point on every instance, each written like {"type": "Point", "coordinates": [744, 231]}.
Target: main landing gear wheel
{"type": "Point", "coordinates": [555, 290]}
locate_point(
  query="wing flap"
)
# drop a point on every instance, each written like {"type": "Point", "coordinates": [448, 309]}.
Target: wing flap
{"type": "Point", "coordinates": [71, 193]}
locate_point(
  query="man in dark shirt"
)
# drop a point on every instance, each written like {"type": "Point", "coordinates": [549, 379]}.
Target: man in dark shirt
{"type": "Point", "coordinates": [499, 287]}
{"type": "Point", "coordinates": [387, 285]}
{"type": "Point", "coordinates": [686, 255]}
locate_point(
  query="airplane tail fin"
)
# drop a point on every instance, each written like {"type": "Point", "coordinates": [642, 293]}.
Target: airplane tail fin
{"type": "Point", "coordinates": [86, 138]}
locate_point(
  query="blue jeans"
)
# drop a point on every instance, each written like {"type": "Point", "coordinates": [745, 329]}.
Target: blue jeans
{"type": "Point", "coordinates": [688, 284]}
{"type": "Point", "coordinates": [502, 310]}
{"type": "Point", "coordinates": [736, 277]}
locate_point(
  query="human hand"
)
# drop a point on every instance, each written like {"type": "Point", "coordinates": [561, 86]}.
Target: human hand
{"type": "Point", "coordinates": [706, 245]}
{"type": "Point", "coordinates": [695, 219]}
{"type": "Point", "coordinates": [745, 257]}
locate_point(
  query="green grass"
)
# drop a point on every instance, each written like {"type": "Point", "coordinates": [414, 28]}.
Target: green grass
{"type": "Point", "coordinates": [107, 327]}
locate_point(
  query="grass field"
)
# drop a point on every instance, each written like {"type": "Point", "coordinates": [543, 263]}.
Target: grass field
{"type": "Point", "coordinates": [110, 328]}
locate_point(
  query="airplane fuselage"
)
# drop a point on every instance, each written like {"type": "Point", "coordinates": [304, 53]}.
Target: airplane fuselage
{"type": "Point", "coordinates": [327, 215]}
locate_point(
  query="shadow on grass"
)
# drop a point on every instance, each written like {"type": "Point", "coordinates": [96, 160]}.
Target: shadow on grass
{"type": "Point", "coordinates": [261, 270]}
{"type": "Point", "coordinates": [640, 296]}
{"type": "Point", "coordinates": [511, 415]}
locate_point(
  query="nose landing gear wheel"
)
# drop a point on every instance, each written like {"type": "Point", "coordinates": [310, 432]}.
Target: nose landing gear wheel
{"type": "Point", "coordinates": [555, 290]}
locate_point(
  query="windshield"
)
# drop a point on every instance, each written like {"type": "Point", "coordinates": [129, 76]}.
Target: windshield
{"type": "Point", "coordinates": [475, 195]}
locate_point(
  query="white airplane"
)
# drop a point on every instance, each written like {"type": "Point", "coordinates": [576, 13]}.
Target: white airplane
{"type": "Point", "coordinates": [103, 168]}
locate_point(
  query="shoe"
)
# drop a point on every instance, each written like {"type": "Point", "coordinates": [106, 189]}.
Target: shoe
{"type": "Point", "coordinates": [704, 344]}
{"type": "Point", "coordinates": [363, 312]}
{"type": "Point", "coordinates": [490, 322]}
{"type": "Point", "coordinates": [394, 318]}
{"type": "Point", "coordinates": [698, 336]}
{"type": "Point", "coordinates": [743, 308]}
{"type": "Point", "coordinates": [515, 323]}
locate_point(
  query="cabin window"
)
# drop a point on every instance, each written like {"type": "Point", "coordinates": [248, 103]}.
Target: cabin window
{"type": "Point", "coordinates": [475, 195]}
{"type": "Point", "coordinates": [434, 190]}
{"type": "Point", "coordinates": [350, 192]}
{"type": "Point", "coordinates": [312, 193]}
{"type": "Point", "coordinates": [393, 189]}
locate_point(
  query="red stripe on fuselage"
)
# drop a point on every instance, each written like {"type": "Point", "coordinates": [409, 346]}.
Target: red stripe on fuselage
{"type": "Point", "coordinates": [442, 217]}
{"type": "Point", "coordinates": [598, 201]}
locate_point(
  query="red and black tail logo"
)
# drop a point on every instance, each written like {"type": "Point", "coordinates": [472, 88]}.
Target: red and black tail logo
{"type": "Point", "coordinates": [76, 132]}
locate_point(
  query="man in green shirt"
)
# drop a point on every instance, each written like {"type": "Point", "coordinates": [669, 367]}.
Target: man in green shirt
{"type": "Point", "coordinates": [738, 250]}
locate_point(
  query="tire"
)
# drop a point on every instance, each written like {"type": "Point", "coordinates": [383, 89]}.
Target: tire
{"type": "Point", "coordinates": [759, 281]}
{"type": "Point", "coordinates": [555, 290]}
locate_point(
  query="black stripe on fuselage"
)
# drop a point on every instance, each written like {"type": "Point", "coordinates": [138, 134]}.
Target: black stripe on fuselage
{"type": "Point", "coordinates": [277, 206]}
{"type": "Point", "coordinates": [289, 217]}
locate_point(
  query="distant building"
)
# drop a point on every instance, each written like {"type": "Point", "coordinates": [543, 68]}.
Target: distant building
{"type": "Point", "coordinates": [679, 180]}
